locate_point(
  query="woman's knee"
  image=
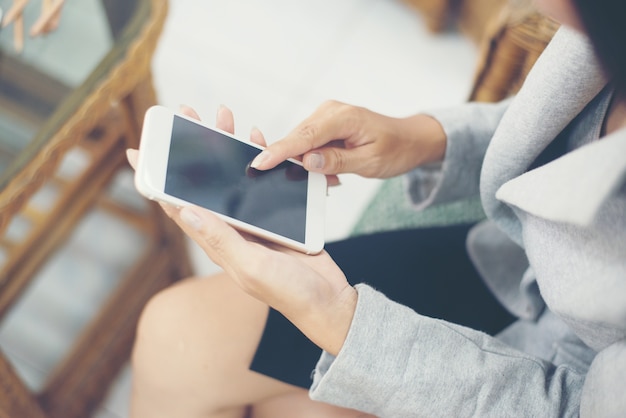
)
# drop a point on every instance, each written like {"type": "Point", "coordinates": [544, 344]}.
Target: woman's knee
{"type": "Point", "coordinates": [201, 319]}
{"type": "Point", "coordinates": [178, 358]}
{"type": "Point", "coordinates": [167, 310]}
{"type": "Point", "coordinates": [195, 342]}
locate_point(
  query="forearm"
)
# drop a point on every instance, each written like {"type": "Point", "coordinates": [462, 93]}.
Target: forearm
{"type": "Point", "coordinates": [398, 363]}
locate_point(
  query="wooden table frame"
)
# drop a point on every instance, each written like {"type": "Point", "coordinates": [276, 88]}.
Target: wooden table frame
{"type": "Point", "coordinates": [105, 117]}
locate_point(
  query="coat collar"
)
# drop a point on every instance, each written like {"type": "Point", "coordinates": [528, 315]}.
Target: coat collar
{"type": "Point", "coordinates": [566, 77]}
{"type": "Point", "coordinates": [573, 187]}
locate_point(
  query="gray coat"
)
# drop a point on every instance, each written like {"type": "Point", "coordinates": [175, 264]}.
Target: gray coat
{"type": "Point", "coordinates": [553, 250]}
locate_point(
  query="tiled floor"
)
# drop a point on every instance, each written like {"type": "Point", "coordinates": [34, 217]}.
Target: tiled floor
{"type": "Point", "coordinates": [273, 62]}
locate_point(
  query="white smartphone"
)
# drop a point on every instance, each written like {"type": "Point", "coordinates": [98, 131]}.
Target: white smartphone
{"type": "Point", "coordinates": [183, 161]}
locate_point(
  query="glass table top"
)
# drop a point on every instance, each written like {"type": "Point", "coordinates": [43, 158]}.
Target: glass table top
{"type": "Point", "coordinates": [44, 84]}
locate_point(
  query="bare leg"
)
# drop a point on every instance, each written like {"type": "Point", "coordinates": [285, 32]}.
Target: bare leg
{"type": "Point", "coordinates": [194, 345]}
{"type": "Point", "coordinates": [298, 405]}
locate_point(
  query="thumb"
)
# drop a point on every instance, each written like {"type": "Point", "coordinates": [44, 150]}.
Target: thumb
{"type": "Point", "coordinates": [221, 242]}
{"type": "Point", "coordinates": [333, 160]}
{"type": "Point", "coordinates": [238, 257]}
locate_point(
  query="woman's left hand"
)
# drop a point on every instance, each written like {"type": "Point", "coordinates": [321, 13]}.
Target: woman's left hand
{"type": "Point", "coordinates": [310, 290]}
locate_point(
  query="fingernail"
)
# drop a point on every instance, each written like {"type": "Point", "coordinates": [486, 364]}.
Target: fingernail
{"type": "Point", "coordinates": [315, 161]}
{"type": "Point", "coordinates": [219, 110]}
{"type": "Point", "coordinates": [191, 218]}
{"type": "Point", "coordinates": [131, 156]}
{"type": "Point", "coordinates": [260, 159]}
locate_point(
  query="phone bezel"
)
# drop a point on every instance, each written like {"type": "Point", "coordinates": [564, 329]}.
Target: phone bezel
{"type": "Point", "coordinates": [151, 174]}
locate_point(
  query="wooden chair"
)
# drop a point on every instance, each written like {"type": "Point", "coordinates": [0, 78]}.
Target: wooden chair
{"type": "Point", "coordinates": [511, 35]}
{"type": "Point", "coordinates": [437, 13]}
{"type": "Point", "coordinates": [102, 117]}
{"type": "Point", "coordinates": [514, 38]}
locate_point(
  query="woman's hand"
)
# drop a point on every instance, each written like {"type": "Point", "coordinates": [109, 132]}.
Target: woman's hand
{"type": "Point", "coordinates": [48, 20]}
{"type": "Point", "coordinates": [340, 138]}
{"type": "Point", "coordinates": [311, 291]}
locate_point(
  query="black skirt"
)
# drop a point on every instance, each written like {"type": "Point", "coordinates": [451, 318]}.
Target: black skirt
{"type": "Point", "coordinates": [425, 269]}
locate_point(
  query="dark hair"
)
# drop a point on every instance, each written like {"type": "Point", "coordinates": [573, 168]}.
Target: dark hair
{"type": "Point", "coordinates": [605, 21]}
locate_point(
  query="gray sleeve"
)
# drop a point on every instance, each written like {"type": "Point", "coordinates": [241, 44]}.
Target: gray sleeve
{"type": "Point", "coordinates": [604, 394]}
{"type": "Point", "coordinates": [468, 128]}
{"type": "Point", "coordinates": [397, 363]}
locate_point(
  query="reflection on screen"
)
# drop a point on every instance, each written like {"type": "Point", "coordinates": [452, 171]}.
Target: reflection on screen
{"type": "Point", "coordinates": [212, 170]}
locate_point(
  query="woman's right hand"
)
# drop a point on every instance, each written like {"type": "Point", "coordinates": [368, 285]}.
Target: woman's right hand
{"type": "Point", "coordinates": [340, 138]}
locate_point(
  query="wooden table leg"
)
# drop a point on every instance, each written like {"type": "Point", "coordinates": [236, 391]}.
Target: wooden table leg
{"type": "Point", "coordinates": [15, 398]}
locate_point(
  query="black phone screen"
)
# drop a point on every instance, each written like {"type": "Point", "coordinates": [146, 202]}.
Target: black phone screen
{"type": "Point", "coordinates": [212, 170]}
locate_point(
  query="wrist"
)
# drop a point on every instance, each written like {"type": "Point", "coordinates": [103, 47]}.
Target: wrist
{"type": "Point", "coordinates": [327, 321]}
{"type": "Point", "coordinates": [429, 137]}
{"type": "Point", "coordinates": [339, 317]}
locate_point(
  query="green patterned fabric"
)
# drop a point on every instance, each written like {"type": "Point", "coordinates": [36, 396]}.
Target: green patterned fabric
{"type": "Point", "coordinates": [390, 209]}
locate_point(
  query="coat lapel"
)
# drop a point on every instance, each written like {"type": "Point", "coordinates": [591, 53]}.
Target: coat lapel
{"type": "Point", "coordinates": [571, 188]}
{"type": "Point", "coordinates": [564, 79]}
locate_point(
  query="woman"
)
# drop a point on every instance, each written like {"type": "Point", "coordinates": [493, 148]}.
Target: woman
{"type": "Point", "coordinates": [550, 169]}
